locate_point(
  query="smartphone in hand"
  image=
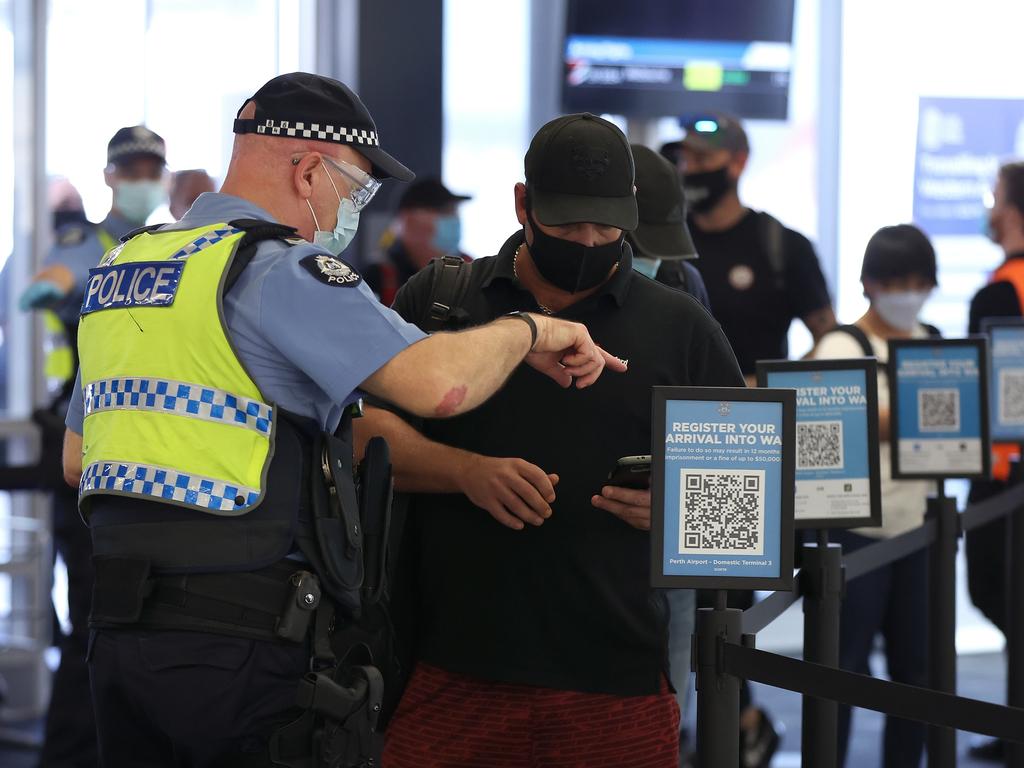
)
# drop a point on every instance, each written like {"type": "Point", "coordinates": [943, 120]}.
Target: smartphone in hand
{"type": "Point", "coordinates": [631, 472]}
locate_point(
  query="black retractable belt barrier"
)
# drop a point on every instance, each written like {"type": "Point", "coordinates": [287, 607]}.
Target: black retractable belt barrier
{"type": "Point", "coordinates": [760, 615]}
{"type": "Point", "coordinates": [823, 587]}
{"type": "Point", "coordinates": [983, 512]}
{"type": "Point", "coordinates": [942, 620]}
{"type": "Point", "coordinates": [896, 699]}
{"type": "Point", "coordinates": [1015, 612]}
{"type": "Point", "coordinates": [718, 693]}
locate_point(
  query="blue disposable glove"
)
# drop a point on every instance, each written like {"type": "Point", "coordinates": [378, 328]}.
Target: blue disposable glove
{"type": "Point", "coordinates": [39, 295]}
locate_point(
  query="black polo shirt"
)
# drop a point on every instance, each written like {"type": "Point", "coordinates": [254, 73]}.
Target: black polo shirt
{"type": "Point", "coordinates": [566, 605]}
{"type": "Point", "coordinates": [753, 302]}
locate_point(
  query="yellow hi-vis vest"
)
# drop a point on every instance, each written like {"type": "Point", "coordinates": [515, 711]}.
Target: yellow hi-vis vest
{"type": "Point", "coordinates": [171, 415]}
{"type": "Point", "coordinates": [58, 358]}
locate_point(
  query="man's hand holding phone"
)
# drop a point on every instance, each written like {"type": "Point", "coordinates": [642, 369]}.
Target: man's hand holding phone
{"type": "Point", "coordinates": [627, 494]}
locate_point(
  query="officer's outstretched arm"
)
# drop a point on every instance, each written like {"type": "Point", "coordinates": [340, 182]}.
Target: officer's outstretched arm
{"type": "Point", "coordinates": [450, 373]}
{"type": "Point", "coordinates": [72, 458]}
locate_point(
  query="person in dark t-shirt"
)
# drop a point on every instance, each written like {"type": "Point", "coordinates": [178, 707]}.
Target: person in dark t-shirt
{"type": "Point", "coordinates": [537, 635]}
{"type": "Point", "coordinates": [759, 274]}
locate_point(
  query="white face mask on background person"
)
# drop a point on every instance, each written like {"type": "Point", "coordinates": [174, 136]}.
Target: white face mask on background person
{"type": "Point", "coordinates": [137, 199]}
{"type": "Point", "coordinates": [339, 239]}
{"type": "Point", "coordinates": [900, 308]}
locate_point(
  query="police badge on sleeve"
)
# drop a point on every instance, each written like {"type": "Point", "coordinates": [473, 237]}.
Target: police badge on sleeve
{"type": "Point", "coordinates": [331, 270]}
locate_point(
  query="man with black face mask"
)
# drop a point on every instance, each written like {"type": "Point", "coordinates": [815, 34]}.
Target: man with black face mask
{"type": "Point", "coordinates": [759, 274]}
{"type": "Point", "coordinates": [538, 640]}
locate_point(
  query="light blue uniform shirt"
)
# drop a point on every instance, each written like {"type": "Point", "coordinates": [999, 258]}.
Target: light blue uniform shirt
{"type": "Point", "coordinates": [79, 248]}
{"type": "Point", "coordinates": [307, 345]}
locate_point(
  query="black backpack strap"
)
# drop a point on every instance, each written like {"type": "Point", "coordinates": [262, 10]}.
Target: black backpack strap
{"type": "Point", "coordinates": [772, 232]}
{"type": "Point", "coordinates": [448, 286]}
{"type": "Point", "coordinates": [256, 231]}
{"type": "Point", "coordinates": [859, 335]}
{"type": "Point", "coordinates": [934, 332]}
{"type": "Point", "coordinates": [141, 231]}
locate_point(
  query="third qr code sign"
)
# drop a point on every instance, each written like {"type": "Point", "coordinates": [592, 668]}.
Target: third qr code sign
{"type": "Point", "coordinates": [939, 407]}
{"type": "Point", "coordinates": [1006, 378]}
{"type": "Point", "coordinates": [722, 475]}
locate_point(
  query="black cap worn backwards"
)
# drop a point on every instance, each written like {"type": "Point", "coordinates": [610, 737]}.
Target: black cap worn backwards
{"type": "Point", "coordinates": [579, 169]}
{"type": "Point", "coordinates": [662, 232]}
{"type": "Point", "coordinates": [429, 193]}
{"type": "Point", "coordinates": [134, 142]}
{"type": "Point", "coordinates": [301, 105]}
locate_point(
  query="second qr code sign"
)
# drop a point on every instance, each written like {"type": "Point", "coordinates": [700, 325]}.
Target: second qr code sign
{"type": "Point", "coordinates": [721, 512]}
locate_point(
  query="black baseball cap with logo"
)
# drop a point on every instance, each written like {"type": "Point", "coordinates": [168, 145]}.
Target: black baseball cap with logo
{"type": "Point", "coordinates": [301, 105]}
{"type": "Point", "coordinates": [579, 168]}
{"type": "Point", "coordinates": [662, 232]}
{"type": "Point", "coordinates": [135, 142]}
{"type": "Point", "coordinates": [708, 132]}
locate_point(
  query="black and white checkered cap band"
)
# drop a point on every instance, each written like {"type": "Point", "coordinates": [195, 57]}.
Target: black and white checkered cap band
{"type": "Point", "coordinates": [319, 131]}
{"type": "Point", "coordinates": [136, 148]}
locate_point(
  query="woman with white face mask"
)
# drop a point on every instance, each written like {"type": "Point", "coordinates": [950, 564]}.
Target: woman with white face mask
{"type": "Point", "coordinates": [898, 275]}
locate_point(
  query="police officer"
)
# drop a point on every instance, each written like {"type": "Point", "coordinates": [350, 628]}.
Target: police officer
{"type": "Point", "coordinates": [217, 357]}
{"type": "Point", "coordinates": [759, 274]}
{"type": "Point", "coordinates": [135, 166]}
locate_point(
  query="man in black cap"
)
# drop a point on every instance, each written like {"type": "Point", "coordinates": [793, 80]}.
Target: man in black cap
{"type": "Point", "coordinates": [207, 436]}
{"type": "Point", "coordinates": [538, 640]}
{"type": "Point", "coordinates": [759, 274]}
{"type": "Point", "coordinates": [136, 158]}
{"type": "Point", "coordinates": [662, 246]}
{"type": "Point", "coordinates": [427, 227]}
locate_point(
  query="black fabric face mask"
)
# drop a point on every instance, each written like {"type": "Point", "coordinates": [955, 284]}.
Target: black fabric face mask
{"type": "Point", "coordinates": [571, 266]}
{"type": "Point", "coordinates": [63, 218]}
{"type": "Point", "coordinates": [704, 190]}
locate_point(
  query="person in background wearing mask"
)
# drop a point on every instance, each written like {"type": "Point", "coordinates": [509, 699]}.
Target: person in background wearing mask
{"type": "Point", "coordinates": [759, 274]}
{"type": "Point", "coordinates": [136, 158]}
{"type": "Point", "coordinates": [538, 640]}
{"type": "Point", "coordinates": [1002, 297]}
{"type": "Point", "coordinates": [427, 227]}
{"type": "Point", "coordinates": [662, 246]}
{"type": "Point", "coordinates": [898, 274]}
{"type": "Point", "coordinates": [186, 186]}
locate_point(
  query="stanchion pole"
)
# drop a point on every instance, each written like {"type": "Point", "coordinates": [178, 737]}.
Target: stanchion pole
{"type": "Point", "coordinates": [942, 619]}
{"type": "Point", "coordinates": [718, 694]}
{"type": "Point", "coordinates": [822, 583]}
{"type": "Point", "coordinates": [1015, 614]}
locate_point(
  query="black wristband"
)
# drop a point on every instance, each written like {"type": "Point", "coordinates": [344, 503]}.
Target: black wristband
{"type": "Point", "coordinates": [530, 322]}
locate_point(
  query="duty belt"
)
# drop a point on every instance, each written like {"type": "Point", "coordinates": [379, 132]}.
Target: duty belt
{"type": "Point", "coordinates": [273, 603]}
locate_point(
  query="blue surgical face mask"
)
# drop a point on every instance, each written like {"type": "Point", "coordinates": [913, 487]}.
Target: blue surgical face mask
{"type": "Point", "coordinates": [447, 234]}
{"type": "Point", "coordinates": [900, 308]}
{"type": "Point", "coordinates": [645, 266]}
{"type": "Point", "coordinates": [137, 199]}
{"type": "Point", "coordinates": [348, 222]}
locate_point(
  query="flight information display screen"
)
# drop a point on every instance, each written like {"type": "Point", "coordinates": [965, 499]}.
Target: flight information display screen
{"type": "Point", "coordinates": [658, 58]}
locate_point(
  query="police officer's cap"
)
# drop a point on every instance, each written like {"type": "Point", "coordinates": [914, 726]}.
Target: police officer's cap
{"type": "Point", "coordinates": [579, 169]}
{"type": "Point", "coordinates": [662, 232]}
{"type": "Point", "coordinates": [301, 105]}
{"type": "Point", "coordinates": [135, 142]}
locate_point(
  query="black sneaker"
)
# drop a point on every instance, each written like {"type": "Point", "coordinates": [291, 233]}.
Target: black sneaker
{"type": "Point", "coordinates": [759, 745]}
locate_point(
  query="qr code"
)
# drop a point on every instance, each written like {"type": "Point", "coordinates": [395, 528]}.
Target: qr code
{"type": "Point", "coordinates": [721, 511]}
{"type": "Point", "coordinates": [938, 410]}
{"type": "Point", "coordinates": [1011, 396]}
{"type": "Point", "coordinates": [819, 445]}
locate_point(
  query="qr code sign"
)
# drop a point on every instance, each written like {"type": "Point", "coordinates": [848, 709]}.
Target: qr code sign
{"type": "Point", "coordinates": [1011, 396]}
{"type": "Point", "coordinates": [819, 445]}
{"type": "Point", "coordinates": [721, 511]}
{"type": "Point", "coordinates": [938, 410]}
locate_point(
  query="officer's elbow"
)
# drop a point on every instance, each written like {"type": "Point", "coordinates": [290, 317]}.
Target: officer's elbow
{"type": "Point", "coordinates": [72, 458]}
